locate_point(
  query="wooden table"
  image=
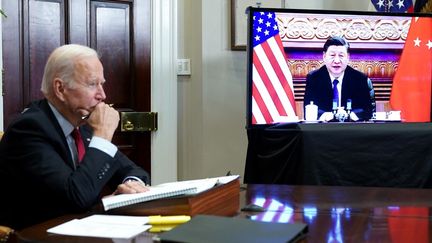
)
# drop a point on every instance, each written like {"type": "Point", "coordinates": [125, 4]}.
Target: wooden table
{"type": "Point", "coordinates": [334, 214]}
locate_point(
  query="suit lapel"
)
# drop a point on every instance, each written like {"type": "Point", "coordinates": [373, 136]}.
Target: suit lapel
{"type": "Point", "coordinates": [346, 84]}
{"type": "Point", "coordinates": [57, 133]}
{"type": "Point", "coordinates": [327, 85]}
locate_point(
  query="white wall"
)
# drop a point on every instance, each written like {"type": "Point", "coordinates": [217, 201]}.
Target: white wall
{"type": "Point", "coordinates": [190, 104]}
{"type": "Point", "coordinates": [224, 94]}
{"type": "Point", "coordinates": [211, 108]}
{"type": "Point", "coordinates": [212, 101]}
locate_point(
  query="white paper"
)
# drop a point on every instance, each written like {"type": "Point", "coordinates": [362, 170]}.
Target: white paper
{"type": "Point", "coordinates": [202, 184]}
{"type": "Point", "coordinates": [226, 179]}
{"type": "Point", "coordinates": [117, 219]}
{"type": "Point", "coordinates": [105, 226]}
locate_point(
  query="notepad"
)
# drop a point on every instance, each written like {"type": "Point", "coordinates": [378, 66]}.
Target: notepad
{"type": "Point", "coordinates": [165, 190]}
{"type": "Point", "coordinates": [121, 200]}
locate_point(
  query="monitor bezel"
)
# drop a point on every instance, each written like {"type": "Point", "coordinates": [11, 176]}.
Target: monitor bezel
{"type": "Point", "coordinates": [249, 48]}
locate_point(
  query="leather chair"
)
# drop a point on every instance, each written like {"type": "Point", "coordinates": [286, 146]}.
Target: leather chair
{"type": "Point", "coordinates": [6, 233]}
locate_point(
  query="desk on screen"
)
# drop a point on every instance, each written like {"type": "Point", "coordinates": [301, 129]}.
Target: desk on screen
{"type": "Point", "coordinates": [348, 154]}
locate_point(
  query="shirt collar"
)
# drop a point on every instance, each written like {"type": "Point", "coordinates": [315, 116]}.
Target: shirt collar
{"type": "Point", "coordinates": [340, 78]}
{"type": "Point", "coordinates": [65, 125]}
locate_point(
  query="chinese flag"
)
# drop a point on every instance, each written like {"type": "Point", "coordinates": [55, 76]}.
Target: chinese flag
{"type": "Point", "coordinates": [411, 90]}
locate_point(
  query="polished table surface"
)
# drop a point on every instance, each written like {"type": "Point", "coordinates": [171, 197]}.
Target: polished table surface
{"type": "Point", "coordinates": [333, 214]}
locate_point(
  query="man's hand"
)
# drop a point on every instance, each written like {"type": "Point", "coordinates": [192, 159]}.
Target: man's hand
{"type": "Point", "coordinates": [130, 187]}
{"type": "Point", "coordinates": [104, 120]}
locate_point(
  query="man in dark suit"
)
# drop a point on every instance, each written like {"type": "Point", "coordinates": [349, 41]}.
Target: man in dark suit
{"type": "Point", "coordinates": [336, 83]}
{"type": "Point", "coordinates": [45, 170]}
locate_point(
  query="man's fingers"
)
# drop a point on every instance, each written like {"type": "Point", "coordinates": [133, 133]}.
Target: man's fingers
{"type": "Point", "coordinates": [137, 186]}
{"type": "Point", "coordinates": [131, 187]}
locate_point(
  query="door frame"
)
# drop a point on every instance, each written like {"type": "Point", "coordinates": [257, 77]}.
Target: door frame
{"type": "Point", "coordinates": [1, 76]}
{"type": "Point", "coordinates": [164, 91]}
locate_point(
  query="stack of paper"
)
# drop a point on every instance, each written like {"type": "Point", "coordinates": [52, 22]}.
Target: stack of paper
{"type": "Point", "coordinates": [108, 226]}
{"type": "Point", "coordinates": [120, 227]}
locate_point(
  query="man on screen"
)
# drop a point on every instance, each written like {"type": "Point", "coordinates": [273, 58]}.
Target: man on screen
{"type": "Point", "coordinates": [336, 83]}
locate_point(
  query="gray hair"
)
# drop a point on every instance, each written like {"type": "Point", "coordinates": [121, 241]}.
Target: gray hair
{"type": "Point", "coordinates": [61, 64]}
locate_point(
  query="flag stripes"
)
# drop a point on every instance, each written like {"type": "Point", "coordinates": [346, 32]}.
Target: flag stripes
{"type": "Point", "coordinates": [272, 84]}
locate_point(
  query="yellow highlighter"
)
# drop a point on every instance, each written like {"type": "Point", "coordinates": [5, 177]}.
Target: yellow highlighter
{"type": "Point", "coordinates": [156, 228]}
{"type": "Point", "coordinates": [178, 219]}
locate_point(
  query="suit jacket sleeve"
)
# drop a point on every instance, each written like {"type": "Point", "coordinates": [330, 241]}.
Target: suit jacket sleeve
{"type": "Point", "coordinates": [318, 89]}
{"type": "Point", "coordinates": [36, 152]}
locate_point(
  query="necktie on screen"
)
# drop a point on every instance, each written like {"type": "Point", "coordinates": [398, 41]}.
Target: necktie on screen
{"type": "Point", "coordinates": [335, 91]}
{"type": "Point", "coordinates": [79, 143]}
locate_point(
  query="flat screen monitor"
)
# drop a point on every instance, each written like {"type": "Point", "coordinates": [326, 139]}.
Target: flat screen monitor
{"type": "Point", "coordinates": [385, 72]}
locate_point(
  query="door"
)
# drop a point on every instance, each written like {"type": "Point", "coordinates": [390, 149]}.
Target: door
{"type": "Point", "coordinates": [118, 29]}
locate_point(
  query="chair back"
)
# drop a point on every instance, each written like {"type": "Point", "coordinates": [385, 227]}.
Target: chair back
{"type": "Point", "coordinates": [6, 234]}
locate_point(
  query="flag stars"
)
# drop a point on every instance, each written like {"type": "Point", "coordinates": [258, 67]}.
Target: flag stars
{"type": "Point", "coordinates": [429, 45]}
{"type": "Point", "coordinates": [417, 42]}
{"type": "Point", "coordinates": [265, 26]}
{"type": "Point", "coordinates": [380, 3]}
{"type": "Point", "coordinates": [398, 6]}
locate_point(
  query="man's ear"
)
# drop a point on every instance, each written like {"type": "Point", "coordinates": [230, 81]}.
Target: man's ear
{"type": "Point", "coordinates": [59, 88]}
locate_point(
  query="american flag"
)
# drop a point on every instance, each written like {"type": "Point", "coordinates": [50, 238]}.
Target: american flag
{"type": "Point", "coordinates": [272, 85]}
{"type": "Point", "coordinates": [394, 6]}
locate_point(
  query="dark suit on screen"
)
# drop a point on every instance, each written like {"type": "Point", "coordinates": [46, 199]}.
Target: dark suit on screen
{"type": "Point", "coordinates": [355, 86]}
{"type": "Point", "coordinates": [37, 173]}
